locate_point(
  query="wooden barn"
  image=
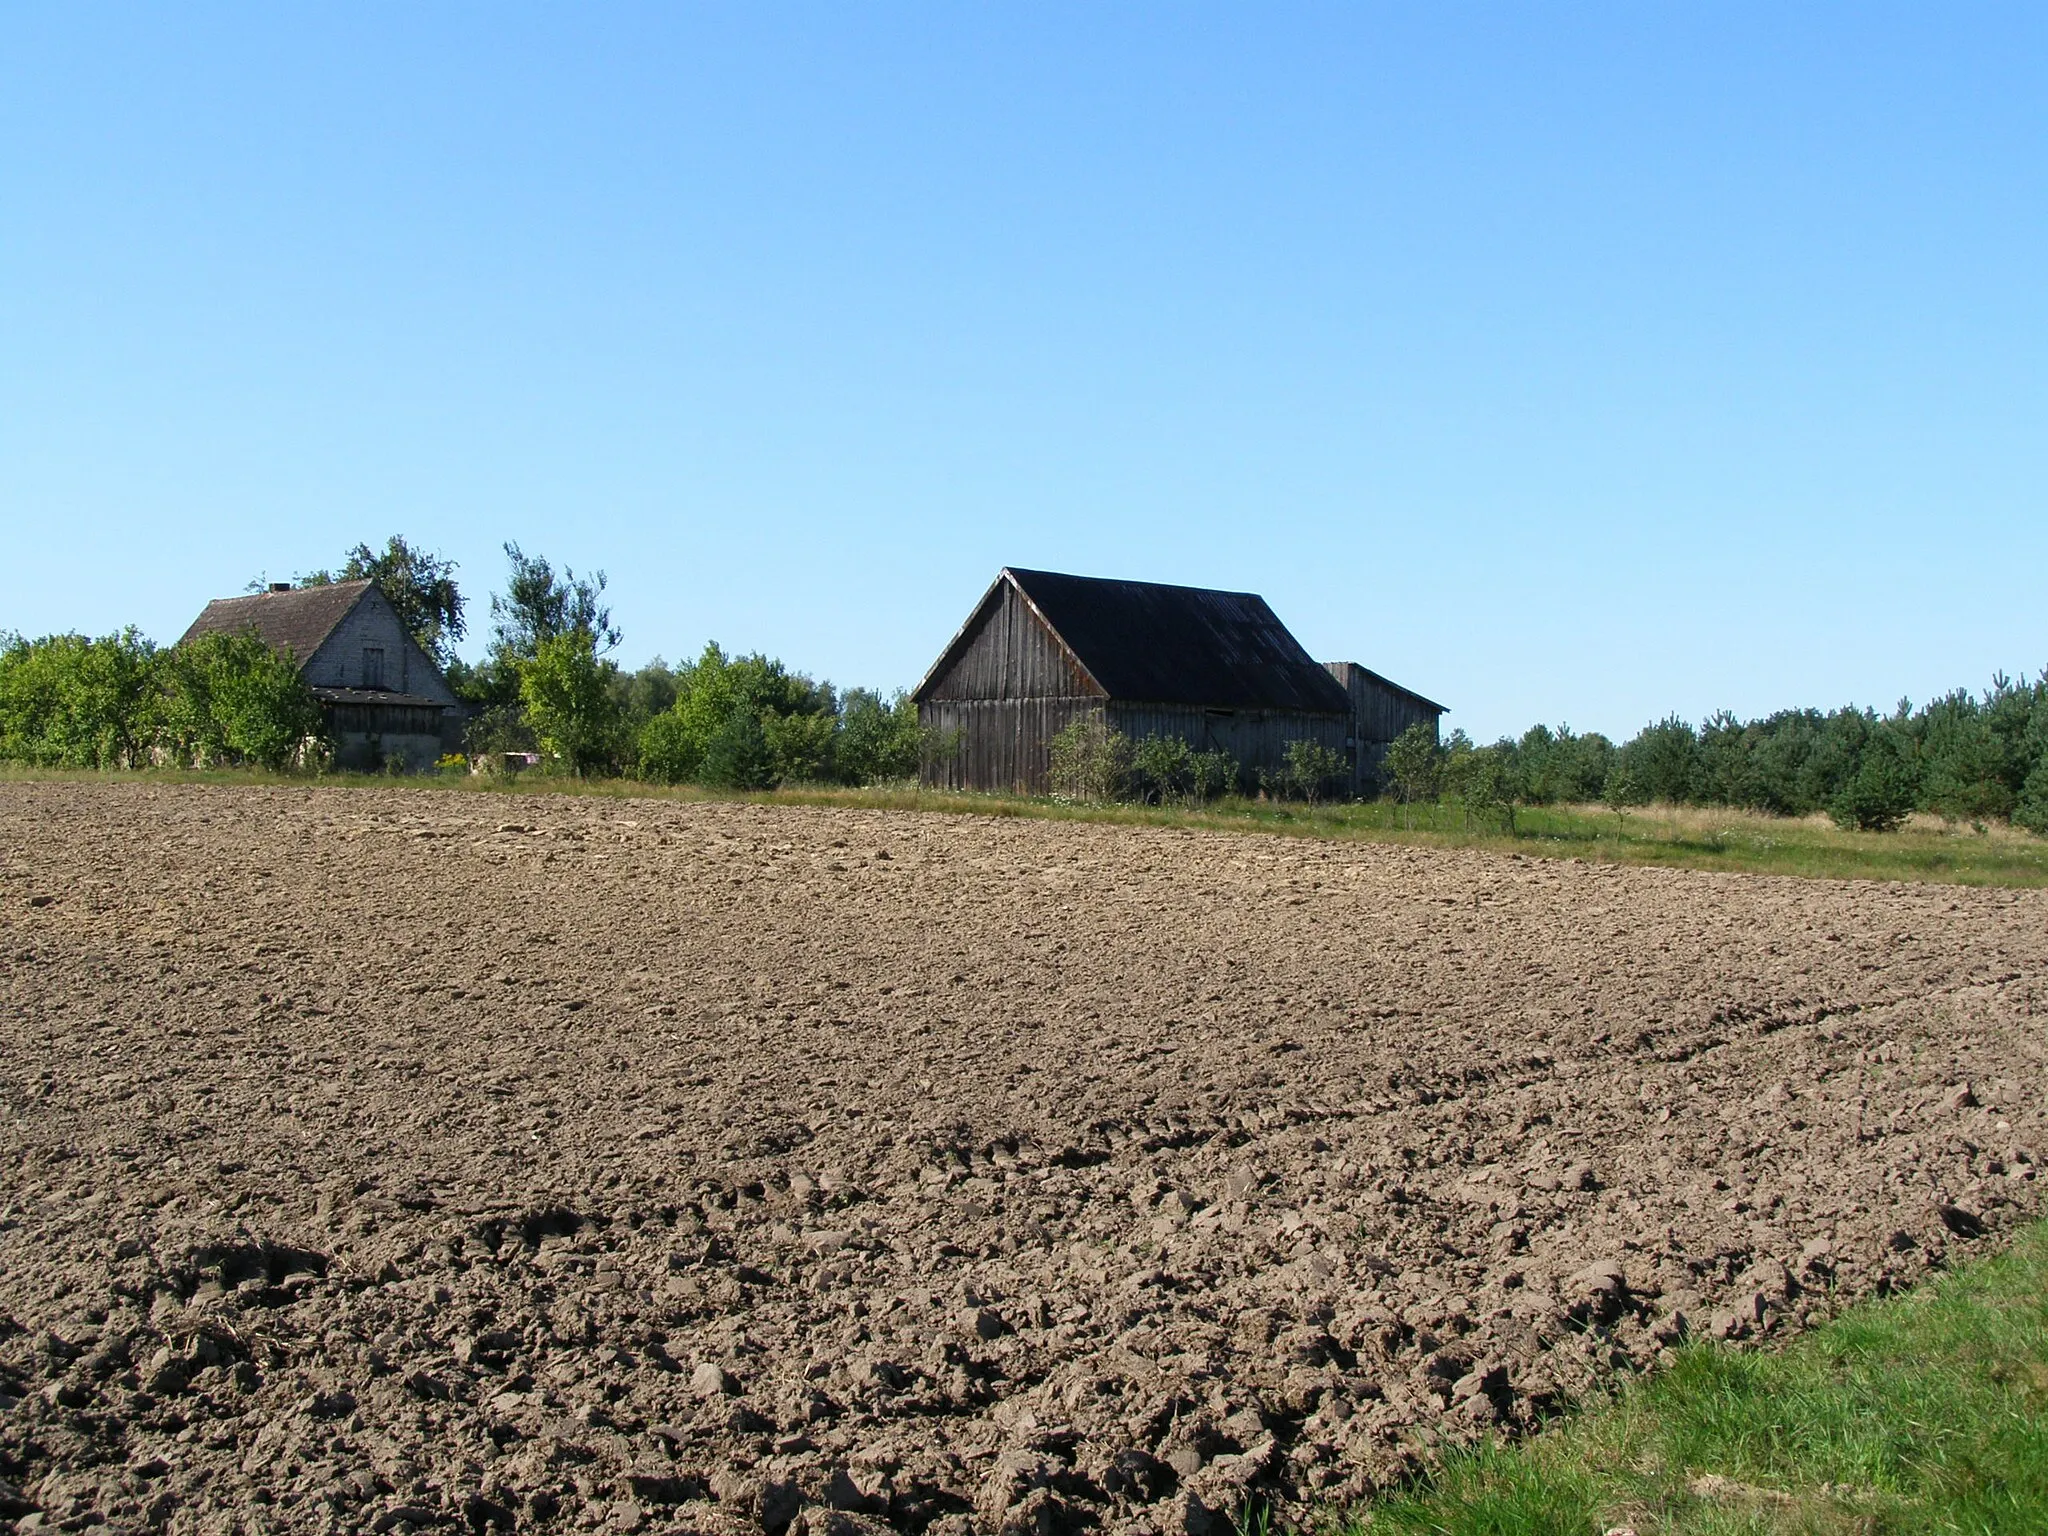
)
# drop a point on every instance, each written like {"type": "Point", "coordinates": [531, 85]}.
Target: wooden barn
{"type": "Point", "coordinates": [381, 696]}
{"type": "Point", "coordinates": [1217, 669]}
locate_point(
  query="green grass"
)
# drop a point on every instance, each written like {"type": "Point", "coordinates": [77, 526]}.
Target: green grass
{"type": "Point", "coordinates": [1927, 849]}
{"type": "Point", "coordinates": [1926, 1412]}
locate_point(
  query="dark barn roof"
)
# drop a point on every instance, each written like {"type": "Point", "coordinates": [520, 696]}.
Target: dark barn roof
{"type": "Point", "coordinates": [1148, 643]}
{"type": "Point", "coordinates": [298, 621]}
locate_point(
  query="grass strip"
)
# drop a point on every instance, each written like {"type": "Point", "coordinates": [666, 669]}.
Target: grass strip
{"type": "Point", "coordinates": [1927, 850]}
{"type": "Point", "coordinates": [1926, 1412]}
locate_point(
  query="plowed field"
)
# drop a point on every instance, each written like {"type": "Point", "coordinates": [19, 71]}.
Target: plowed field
{"type": "Point", "coordinates": [386, 1160]}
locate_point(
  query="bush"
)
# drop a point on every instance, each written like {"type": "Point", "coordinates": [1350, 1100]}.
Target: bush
{"type": "Point", "coordinates": [879, 739]}
{"type": "Point", "coordinates": [1314, 770]}
{"type": "Point", "coordinates": [1211, 774]}
{"type": "Point", "coordinates": [1162, 768]}
{"type": "Point", "coordinates": [1089, 762]}
{"type": "Point", "coordinates": [1485, 784]}
{"type": "Point", "coordinates": [1414, 765]}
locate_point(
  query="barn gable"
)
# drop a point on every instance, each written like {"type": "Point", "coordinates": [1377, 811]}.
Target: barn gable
{"type": "Point", "coordinates": [1041, 634]}
{"type": "Point", "coordinates": [1007, 650]}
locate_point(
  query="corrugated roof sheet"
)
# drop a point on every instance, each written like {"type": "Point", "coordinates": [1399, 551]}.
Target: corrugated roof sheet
{"type": "Point", "coordinates": [1156, 644]}
{"type": "Point", "coordinates": [299, 620]}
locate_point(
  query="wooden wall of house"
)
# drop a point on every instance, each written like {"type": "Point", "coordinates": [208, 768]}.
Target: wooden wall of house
{"type": "Point", "coordinates": [1000, 745]}
{"type": "Point", "coordinates": [1382, 712]}
{"type": "Point", "coordinates": [1011, 655]}
{"type": "Point", "coordinates": [1011, 689]}
{"type": "Point", "coordinates": [366, 736]}
{"type": "Point", "coordinates": [1257, 738]}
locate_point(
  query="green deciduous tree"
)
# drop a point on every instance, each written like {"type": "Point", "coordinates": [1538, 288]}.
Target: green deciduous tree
{"type": "Point", "coordinates": [1414, 765]}
{"type": "Point", "coordinates": [229, 698]}
{"type": "Point", "coordinates": [419, 585]}
{"type": "Point", "coordinates": [735, 724]}
{"type": "Point", "coordinates": [67, 701]}
{"type": "Point", "coordinates": [880, 740]}
{"type": "Point", "coordinates": [566, 689]}
{"type": "Point", "coordinates": [1314, 771]}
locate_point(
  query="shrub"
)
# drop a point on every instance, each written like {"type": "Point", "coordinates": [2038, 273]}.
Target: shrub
{"type": "Point", "coordinates": [1089, 762]}
{"type": "Point", "coordinates": [879, 739]}
{"type": "Point", "coordinates": [799, 746]}
{"type": "Point", "coordinates": [1414, 765]}
{"type": "Point", "coordinates": [1314, 770]}
{"type": "Point", "coordinates": [1486, 785]}
{"type": "Point", "coordinates": [1211, 774]}
{"type": "Point", "coordinates": [1163, 769]}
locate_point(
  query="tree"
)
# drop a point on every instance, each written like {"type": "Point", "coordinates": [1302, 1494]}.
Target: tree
{"type": "Point", "coordinates": [731, 725]}
{"type": "Point", "coordinates": [1486, 785]}
{"type": "Point", "coordinates": [565, 688]}
{"type": "Point", "coordinates": [1313, 769]}
{"type": "Point", "coordinates": [1662, 762]}
{"type": "Point", "coordinates": [78, 703]}
{"type": "Point", "coordinates": [1414, 764]}
{"type": "Point", "coordinates": [879, 739]}
{"type": "Point", "coordinates": [537, 605]}
{"type": "Point", "coordinates": [229, 698]}
{"type": "Point", "coordinates": [1211, 774]}
{"type": "Point", "coordinates": [1164, 768]}
{"type": "Point", "coordinates": [1087, 761]}
{"type": "Point", "coordinates": [1879, 795]}
{"type": "Point", "coordinates": [420, 586]}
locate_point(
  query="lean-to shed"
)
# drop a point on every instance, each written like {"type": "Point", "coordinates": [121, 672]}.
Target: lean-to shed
{"type": "Point", "coordinates": [1041, 650]}
{"type": "Point", "coordinates": [381, 696]}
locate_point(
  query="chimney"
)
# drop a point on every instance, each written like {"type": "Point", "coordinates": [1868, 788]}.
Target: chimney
{"type": "Point", "coordinates": [280, 586]}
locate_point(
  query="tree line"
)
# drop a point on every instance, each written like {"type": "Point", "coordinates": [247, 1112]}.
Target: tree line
{"type": "Point", "coordinates": [548, 685]}
{"type": "Point", "coordinates": [1963, 756]}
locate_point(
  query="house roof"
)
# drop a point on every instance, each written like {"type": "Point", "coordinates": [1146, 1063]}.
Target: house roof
{"type": "Point", "coordinates": [298, 621]}
{"type": "Point", "coordinates": [1156, 644]}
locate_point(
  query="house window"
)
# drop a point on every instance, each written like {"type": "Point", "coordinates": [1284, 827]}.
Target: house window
{"type": "Point", "coordinates": [373, 666]}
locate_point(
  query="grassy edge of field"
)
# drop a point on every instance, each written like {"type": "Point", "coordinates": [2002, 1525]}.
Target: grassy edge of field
{"type": "Point", "coordinates": [1925, 850]}
{"type": "Point", "coordinates": [1922, 1412]}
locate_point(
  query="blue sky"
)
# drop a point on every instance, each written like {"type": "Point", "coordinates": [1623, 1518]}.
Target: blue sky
{"type": "Point", "coordinates": [1572, 363]}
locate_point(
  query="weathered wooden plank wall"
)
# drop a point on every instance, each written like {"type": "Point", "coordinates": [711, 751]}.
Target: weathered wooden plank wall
{"type": "Point", "coordinates": [1257, 738]}
{"type": "Point", "coordinates": [1001, 745]}
{"type": "Point", "coordinates": [1381, 712]}
{"type": "Point", "coordinates": [1012, 655]}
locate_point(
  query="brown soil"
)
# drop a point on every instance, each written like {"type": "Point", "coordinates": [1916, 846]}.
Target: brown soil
{"type": "Point", "coordinates": [385, 1160]}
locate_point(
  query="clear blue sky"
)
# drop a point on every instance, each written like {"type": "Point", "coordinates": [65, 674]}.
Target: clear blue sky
{"type": "Point", "coordinates": [1575, 363]}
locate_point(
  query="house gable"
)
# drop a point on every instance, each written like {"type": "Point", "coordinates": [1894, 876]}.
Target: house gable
{"type": "Point", "coordinates": [372, 629]}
